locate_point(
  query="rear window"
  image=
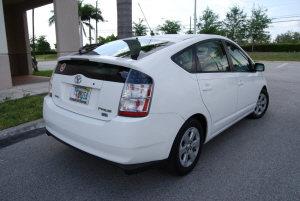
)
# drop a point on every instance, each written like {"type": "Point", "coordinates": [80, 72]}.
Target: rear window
{"type": "Point", "coordinates": [93, 70]}
{"type": "Point", "coordinates": [132, 48]}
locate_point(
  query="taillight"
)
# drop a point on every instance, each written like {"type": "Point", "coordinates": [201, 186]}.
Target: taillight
{"type": "Point", "coordinates": [136, 96]}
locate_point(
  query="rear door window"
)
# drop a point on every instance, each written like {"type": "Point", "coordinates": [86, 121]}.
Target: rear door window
{"type": "Point", "coordinates": [211, 57]}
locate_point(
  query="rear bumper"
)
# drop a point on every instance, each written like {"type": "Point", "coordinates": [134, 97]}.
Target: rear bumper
{"type": "Point", "coordinates": [129, 169]}
{"type": "Point", "coordinates": [124, 141]}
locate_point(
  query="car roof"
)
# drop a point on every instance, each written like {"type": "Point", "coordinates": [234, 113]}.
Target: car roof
{"type": "Point", "coordinates": [178, 37]}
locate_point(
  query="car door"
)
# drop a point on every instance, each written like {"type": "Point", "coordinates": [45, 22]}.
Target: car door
{"type": "Point", "coordinates": [243, 69]}
{"type": "Point", "coordinates": [217, 83]}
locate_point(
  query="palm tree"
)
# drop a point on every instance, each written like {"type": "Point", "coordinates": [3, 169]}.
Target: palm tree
{"type": "Point", "coordinates": [86, 12]}
{"type": "Point", "coordinates": [51, 20]}
{"type": "Point", "coordinates": [97, 15]}
{"type": "Point", "coordinates": [89, 12]}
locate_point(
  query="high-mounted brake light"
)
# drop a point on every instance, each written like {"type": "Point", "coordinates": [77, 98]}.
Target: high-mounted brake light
{"type": "Point", "coordinates": [136, 95]}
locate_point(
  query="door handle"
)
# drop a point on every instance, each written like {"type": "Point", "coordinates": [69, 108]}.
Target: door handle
{"type": "Point", "coordinates": [207, 88]}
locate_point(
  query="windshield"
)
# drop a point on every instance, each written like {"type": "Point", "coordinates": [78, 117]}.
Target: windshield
{"type": "Point", "coordinates": [132, 48]}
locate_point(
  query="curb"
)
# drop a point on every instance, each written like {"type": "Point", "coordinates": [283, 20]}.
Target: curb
{"type": "Point", "coordinates": [10, 132]}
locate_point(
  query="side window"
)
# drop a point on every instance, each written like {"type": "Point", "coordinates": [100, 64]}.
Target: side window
{"type": "Point", "coordinates": [239, 59]}
{"type": "Point", "coordinates": [185, 59]}
{"type": "Point", "coordinates": [211, 57]}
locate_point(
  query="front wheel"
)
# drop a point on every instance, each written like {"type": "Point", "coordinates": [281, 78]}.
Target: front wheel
{"type": "Point", "coordinates": [186, 149]}
{"type": "Point", "coordinates": [261, 105]}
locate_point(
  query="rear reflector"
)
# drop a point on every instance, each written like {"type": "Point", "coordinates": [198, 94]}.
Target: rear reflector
{"type": "Point", "coordinates": [50, 85]}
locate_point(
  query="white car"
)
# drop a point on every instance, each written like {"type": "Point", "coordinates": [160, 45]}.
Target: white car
{"type": "Point", "coordinates": [153, 100]}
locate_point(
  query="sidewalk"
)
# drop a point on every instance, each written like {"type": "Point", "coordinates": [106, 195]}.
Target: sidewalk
{"type": "Point", "coordinates": [27, 84]}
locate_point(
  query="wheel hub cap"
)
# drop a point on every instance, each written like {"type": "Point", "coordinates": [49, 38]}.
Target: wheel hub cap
{"type": "Point", "coordinates": [189, 147]}
{"type": "Point", "coordinates": [261, 104]}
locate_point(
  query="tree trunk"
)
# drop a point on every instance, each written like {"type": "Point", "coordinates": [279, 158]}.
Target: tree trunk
{"type": "Point", "coordinates": [252, 44]}
{"type": "Point", "coordinates": [90, 35]}
{"type": "Point", "coordinates": [80, 31]}
{"type": "Point", "coordinates": [34, 64]}
{"type": "Point", "coordinates": [124, 8]}
{"type": "Point", "coordinates": [96, 39]}
{"type": "Point", "coordinates": [195, 19]}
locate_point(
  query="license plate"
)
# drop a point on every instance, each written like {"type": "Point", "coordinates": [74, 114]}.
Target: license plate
{"type": "Point", "coordinates": [80, 94]}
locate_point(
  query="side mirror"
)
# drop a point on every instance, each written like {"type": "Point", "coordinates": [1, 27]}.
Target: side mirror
{"type": "Point", "coordinates": [259, 67]}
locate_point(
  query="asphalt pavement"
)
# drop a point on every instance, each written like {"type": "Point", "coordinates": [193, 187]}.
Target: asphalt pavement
{"type": "Point", "coordinates": [252, 160]}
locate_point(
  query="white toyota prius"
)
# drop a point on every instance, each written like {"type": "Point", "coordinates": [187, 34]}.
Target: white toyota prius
{"type": "Point", "coordinates": [153, 100]}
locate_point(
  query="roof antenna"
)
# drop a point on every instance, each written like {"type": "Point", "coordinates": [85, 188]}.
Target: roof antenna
{"type": "Point", "coordinates": [151, 32]}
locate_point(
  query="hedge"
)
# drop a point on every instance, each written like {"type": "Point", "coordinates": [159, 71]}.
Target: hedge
{"type": "Point", "coordinates": [273, 47]}
{"type": "Point", "coordinates": [47, 52]}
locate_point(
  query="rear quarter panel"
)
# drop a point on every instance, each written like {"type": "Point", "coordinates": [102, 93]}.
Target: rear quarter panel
{"type": "Point", "coordinates": [175, 90]}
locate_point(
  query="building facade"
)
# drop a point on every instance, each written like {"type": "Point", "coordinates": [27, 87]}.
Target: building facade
{"type": "Point", "coordinates": [15, 56]}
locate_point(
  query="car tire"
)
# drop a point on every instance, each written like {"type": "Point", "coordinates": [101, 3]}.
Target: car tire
{"type": "Point", "coordinates": [186, 148]}
{"type": "Point", "coordinates": [261, 105]}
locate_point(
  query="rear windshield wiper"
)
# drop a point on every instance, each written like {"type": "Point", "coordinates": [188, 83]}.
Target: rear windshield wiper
{"type": "Point", "coordinates": [88, 48]}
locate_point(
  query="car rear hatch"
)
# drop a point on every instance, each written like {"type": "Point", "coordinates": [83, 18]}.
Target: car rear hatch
{"type": "Point", "coordinates": [90, 88]}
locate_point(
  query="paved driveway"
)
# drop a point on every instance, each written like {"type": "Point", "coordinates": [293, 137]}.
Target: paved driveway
{"type": "Point", "coordinates": [47, 65]}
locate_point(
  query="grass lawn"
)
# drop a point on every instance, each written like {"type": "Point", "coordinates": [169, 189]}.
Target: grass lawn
{"type": "Point", "coordinates": [46, 57]}
{"type": "Point", "coordinates": [46, 73]}
{"type": "Point", "coordinates": [275, 56]}
{"type": "Point", "coordinates": [19, 111]}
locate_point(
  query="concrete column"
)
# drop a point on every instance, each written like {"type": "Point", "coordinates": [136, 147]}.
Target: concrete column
{"type": "Point", "coordinates": [67, 27]}
{"type": "Point", "coordinates": [124, 8]}
{"type": "Point", "coordinates": [5, 76]}
{"type": "Point", "coordinates": [18, 40]}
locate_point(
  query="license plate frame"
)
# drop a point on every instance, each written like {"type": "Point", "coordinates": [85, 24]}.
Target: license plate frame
{"type": "Point", "coordinates": [80, 94]}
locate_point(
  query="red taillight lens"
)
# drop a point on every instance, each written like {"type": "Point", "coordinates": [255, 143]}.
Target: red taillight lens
{"type": "Point", "coordinates": [136, 95]}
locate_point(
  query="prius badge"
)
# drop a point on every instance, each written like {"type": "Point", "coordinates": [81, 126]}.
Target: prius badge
{"type": "Point", "coordinates": [78, 79]}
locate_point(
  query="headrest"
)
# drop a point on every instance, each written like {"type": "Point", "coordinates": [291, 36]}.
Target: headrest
{"type": "Point", "coordinates": [202, 50]}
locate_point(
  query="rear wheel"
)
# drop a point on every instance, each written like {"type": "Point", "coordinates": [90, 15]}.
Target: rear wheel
{"type": "Point", "coordinates": [186, 148]}
{"type": "Point", "coordinates": [261, 105]}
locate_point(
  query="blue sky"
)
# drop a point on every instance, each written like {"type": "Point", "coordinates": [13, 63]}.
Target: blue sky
{"type": "Point", "coordinates": [157, 11]}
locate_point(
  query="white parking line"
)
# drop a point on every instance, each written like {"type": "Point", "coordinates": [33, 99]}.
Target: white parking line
{"type": "Point", "coordinates": [282, 65]}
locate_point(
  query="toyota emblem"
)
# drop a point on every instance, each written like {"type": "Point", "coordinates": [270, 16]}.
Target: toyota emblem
{"type": "Point", "coordinates": [77, 79]}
